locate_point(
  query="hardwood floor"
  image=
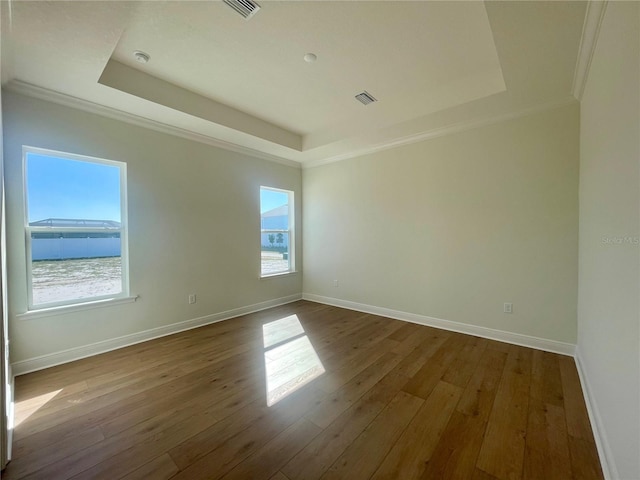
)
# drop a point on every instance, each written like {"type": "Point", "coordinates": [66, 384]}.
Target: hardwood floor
{"type": "Point", "coordinates": [355, 396]}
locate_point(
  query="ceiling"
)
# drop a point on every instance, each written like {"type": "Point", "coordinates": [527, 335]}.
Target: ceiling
{"type": "Point", "coordinates": [243, 84]}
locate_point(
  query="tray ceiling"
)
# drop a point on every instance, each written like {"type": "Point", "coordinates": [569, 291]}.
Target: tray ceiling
{"type": "Point", "coordinates": [431, 65]}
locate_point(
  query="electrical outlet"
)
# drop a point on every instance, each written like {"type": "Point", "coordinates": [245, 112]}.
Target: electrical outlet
{"type": "Point", "coordinates": [192, 298]}
{"type": "Point", "coordinates": [336, 283]}
{"type": "Point", "coordinates": [508, 308]}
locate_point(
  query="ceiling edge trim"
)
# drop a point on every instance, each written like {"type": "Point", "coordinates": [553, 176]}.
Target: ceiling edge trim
{"type": "Point", "coordinates": [448, 130]}
{"type": "Point", "coordinates": [34, 91]}
{"type": "Point", "coordinates": [140, 84]}
{"type": "Point", "coordinates": [590, 33]}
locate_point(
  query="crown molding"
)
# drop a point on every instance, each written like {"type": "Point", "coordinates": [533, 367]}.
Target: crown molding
{"type": "Point", "coordinates": [447, 130]}
{"type": "Point", "coordinates": [590, 32]}
{"type": "Point", "coordinates": [30, 90]}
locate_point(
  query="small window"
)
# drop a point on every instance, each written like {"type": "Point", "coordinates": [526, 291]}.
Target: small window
{"type": "Point", "coordinates": [276, 234]}
{"type": "Point", "coordinates": [75, 228]}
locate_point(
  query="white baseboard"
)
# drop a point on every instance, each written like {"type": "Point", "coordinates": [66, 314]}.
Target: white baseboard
{"type": "Point", "coordinates": [493, 334]}
{"type": "Point", "coordinates": [607, 462]}
{"type": "Point", "coordinates": [50, 360]}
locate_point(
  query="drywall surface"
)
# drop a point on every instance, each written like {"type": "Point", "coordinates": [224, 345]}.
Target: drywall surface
{"type": "Point", "coordinates": [456, 226]}
{"type": "Point", "coordinates": [609, 258]}
{"type": "Point", "coordinates": [194, 226]}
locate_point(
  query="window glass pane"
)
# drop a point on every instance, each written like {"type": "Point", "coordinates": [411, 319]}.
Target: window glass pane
{"type": "Point", "coordinates": [75, 279]}
{"type": "Point", "coordinates": [275, 235]}
{"type": "Point", "coordinates": [74, 215]}
{"type": "Point", "coordinates": [74, 245]}
{"type": "Point", "coordinates": [62, 188]}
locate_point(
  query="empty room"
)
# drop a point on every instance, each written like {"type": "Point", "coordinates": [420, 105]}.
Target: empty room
{"type": "Point", "coordinates": [314, 240]}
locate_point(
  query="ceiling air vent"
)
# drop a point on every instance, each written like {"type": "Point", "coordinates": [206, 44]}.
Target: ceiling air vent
{"type": "Point", "coordinates": [365, 98]}
{"type": "Point", "coordinates": [246, 8]}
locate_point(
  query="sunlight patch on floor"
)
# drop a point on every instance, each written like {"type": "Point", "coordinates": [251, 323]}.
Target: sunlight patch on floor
{"type": "Point", "coordinates": [26, 408]}
{"type": "Point", "coordinates": [290, 359]}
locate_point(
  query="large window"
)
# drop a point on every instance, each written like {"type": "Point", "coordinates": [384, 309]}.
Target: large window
{"type": "Point", "coordinates": [75, 228]}
{"type": "Point", "coordinates": [276, 234]}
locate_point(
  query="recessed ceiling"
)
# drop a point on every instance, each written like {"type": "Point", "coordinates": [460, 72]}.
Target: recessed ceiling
{"type": "Point", "coordinates": [429, 64]}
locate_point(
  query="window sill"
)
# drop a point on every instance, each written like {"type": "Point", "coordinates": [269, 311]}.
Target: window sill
{"type": "Point", "coordinates": [279, 274]}
{"type": "Point", "coordinates": [76, 307]}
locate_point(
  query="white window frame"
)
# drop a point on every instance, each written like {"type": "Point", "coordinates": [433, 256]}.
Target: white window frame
{"type": "Point", "coordinates": [289, 232]}
{"type": "Point", "coordinates": [123, 230]}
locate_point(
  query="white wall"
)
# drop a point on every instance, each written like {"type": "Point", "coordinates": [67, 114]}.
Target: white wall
{"type": "Point", "coordinates": [455, 226]}
{"type": "Point", "coordinates": [194, 226]}
{"type": "Point", "coordinates": [609, 278]}
{"type": "Point", "coordinates": [6, 393]}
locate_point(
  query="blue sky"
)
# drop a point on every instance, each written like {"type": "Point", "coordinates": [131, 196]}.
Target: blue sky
{"type": "Point", "coordinates": [61, 188]}
{"type": "Point", "coordinates": [270, 199]}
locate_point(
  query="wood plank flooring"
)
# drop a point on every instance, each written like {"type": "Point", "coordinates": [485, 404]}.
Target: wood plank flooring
{"type": "Point", "coordinates": [356, 396]}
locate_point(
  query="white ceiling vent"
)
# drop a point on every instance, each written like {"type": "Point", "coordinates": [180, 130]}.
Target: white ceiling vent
{"type": "Point", "coordinates": [246, 8]}
{"type": "Point", "coordinates": [365, 98]}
